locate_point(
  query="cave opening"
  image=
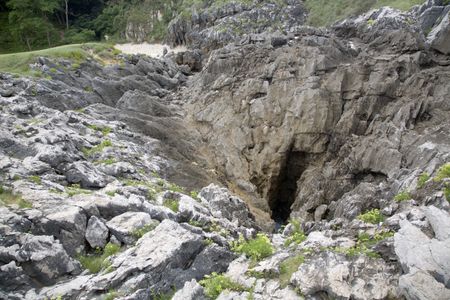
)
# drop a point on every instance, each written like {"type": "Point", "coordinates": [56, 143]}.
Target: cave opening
{"type": "Point", "coordinates": [284, 187]}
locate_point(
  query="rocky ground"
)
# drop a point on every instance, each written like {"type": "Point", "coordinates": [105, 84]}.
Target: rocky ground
{"type": "Point", "coordinates": [339, 135]}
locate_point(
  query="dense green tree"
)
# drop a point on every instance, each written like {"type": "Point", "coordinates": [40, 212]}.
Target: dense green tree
{"type": "Point", "coordinates": [32, 19]}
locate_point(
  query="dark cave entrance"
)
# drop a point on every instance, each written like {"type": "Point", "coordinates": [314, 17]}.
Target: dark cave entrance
{"type": "Point", "coordinates": [284, 188]}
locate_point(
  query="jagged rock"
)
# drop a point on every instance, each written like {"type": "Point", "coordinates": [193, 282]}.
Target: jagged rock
{"type": "Point", "coordinates": [361, 278]}
{"type": "Point", "coordinates": [418, 285]}
{"type": "Point", "coordinates": [190, 291]}
{"type": "Point", "coordinates": [224, 205]}
{"type": "Point", "coordinates": [68, 224]}
{"type": "Point", "coordinates": [143, 103]}
{"type": "Point", "coordinates": [96, 232]}
{"type": "Point", "coordinates": [439, 37]}
{"type": "Point", "coordinates": [161, 256]}
{"type": "Point", "coordinates": [13, 278]}
{"type": "Point", "coordinates": [417, 252]}
{"type": "Point", "coordinates": [44, 259]}
{"type": "Point", "coordinates": [84, 174]}
{"type": "Point", "coordinates": [123, 226]}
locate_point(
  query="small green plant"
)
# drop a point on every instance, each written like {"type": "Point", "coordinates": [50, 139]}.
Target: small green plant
{"type": "Point", "coordinates": [194, 195]}
{"type": "Point", "coordinates": [371, 22]}
{"type": "Point", "coordinates": [215, 284]}
{"type": "Point", "coordinates": [112, 294]}
{"type": "Point", "coordinates": [75, 189]}
{"type": "Point", "coordinates": [105, 130]}
{"type": "Point", "coordinates": [288, 267]}
{"type": "Point", "coordinates": [364, 244]}
{"type": "Point", "coordinates": [111, 193]}
{"type": "Point", "coordinates": [8, 198]}
{"type": "Point", "coordinates": [257, 248]}
{"type": "Point", "coordinates": [297, 236]}
{"type": "Point", "coordinates": [172, 204]}
{"type": "Point", "coordinates": [422, 180]}
{"type": "Point", "coordinates": [36, 179]}
{"type": "Point", "coordinates": [96, 262]}
{"type": "Point", "coordinates": [402, 196]}
{"type": "Point", "coordinates": [447, 192]}
{"type": "Point", "coordinates": [443, 172]}
{"type": "Point", "coordinates": [195, 223]}
{"type": "Point", "coordinates": [372, 216]}
{"type": "Point", "coordinates": [108, 161]}
{"type": "Point", "coordinates": [97, 149]}
{"type": "Point", "coordinates": [175, 188]}
{"type": "Point", "coordinates": [208, 242]}
{"type": "Point", "coordinates": [138, 233]}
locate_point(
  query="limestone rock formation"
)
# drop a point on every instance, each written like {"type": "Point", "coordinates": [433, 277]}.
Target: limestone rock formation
{"type": "Point", "coordinates": [305, 163]}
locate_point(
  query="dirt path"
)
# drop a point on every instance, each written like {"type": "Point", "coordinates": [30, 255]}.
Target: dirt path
{"type": "Point", "coordinates": [153, 50]}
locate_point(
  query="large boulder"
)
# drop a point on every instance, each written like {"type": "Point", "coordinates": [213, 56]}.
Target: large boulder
{"type": "Point", "coordinates": [340, 278]}
{"type": "Point", "coordinates": [124, 226]}
{"type": "Point", "coordinates": [425, 261]}
{"type": "Point", "coordinates": [96, 233]}
{"type": "Point", "coordinates": [439, 37]}
{"type": "Point", "coordinates": [44, 259]}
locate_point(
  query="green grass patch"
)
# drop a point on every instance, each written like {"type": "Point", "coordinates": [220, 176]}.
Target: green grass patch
{"type": "Point", "coordinates": [402, 196]}
{"type": "Point", "coordinates": [75, 189]}
{"type": "Point", "coordinates": [288, 267]}
{"type": "Point", "coordinates": [138, 233]}
{"type": "Point", "coordinates": [105, 130]}
{"type": "Point", "coordinates": [97, 262]}
{"type": "Point", "coordinates": [443, 172]}
{"type": "Point", "coordinates": [297, 236]}
{"type": "Point", "coordinates": [447, 192]}
{"type": "Point", "coordinates": [422, 180]}
{"type": "Point", "coordinates": [172, 204]}
{"type": "Point", "coordinates": [215, 284]}
{"type": "Point", "coordinates": [257, 248]}
{"type": "Point", "coordinates": [36, 179]}
{"type": "Point", "coordinates": [19, 63]}
{"type": "Point", "coordinates": [8, 198]}
{"type": "Point", "coordinates": [97, 149]}
{"type": "Point", "coordinates": [372, 216]}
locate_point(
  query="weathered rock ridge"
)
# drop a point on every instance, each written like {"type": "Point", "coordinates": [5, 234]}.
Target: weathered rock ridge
{"type": "Point", "coordinates": [330, 114]}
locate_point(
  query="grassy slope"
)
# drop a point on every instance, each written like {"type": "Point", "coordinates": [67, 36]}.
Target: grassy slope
{"type": "Point", "coordinates": [18, 63]}
{"type": "Point", "coordinates": [325, 12]}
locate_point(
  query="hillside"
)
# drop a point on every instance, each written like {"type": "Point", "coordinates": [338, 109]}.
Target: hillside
{"type": "Point", "coordinates": [268, 159]}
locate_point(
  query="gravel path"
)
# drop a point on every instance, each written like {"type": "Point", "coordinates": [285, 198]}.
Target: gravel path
{"type": "Point", "coordinates": [153, 50]}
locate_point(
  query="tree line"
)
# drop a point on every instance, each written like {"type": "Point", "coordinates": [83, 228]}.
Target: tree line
{"type": "Point", "coordinates": [36, 24]}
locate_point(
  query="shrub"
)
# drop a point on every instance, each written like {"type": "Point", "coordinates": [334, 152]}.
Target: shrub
{"type": "Point", "coordinates": [422, 180]}
{"type": "Point", "coordinates": [215, 284]}
{"type": "Point", "coordinates": [297, 236]}
{"type": "Point", "coordinates": [373, 216]}
{"type": "Point", "coordinates": [95, 263]}
{"type": "Point", "coordinates": [288, 267]}
{"type": "Point", "coordinates": [402, 196]}
{"type": "Point", "coordinates": [105, 130]}
{"type": "Point", "coordinates": [443, 172]}
{"type": "Point", "coordinates": [257, 248]}
{"type": "Point", "coordinates": [171, 204]}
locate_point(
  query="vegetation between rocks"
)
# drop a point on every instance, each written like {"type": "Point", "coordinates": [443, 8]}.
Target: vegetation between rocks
{"type": "Point", "coordinates": [98, 261]}
{"type": "Point", "coordinates": [8, 198]}
{"type": "Point", "coordinates": [372, 216]}
{"type": "Point", "coordinates": [258, 248]}
{"type": "Point", "coordinates": [214, 284]}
